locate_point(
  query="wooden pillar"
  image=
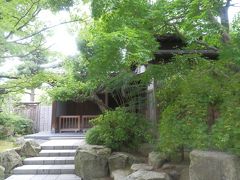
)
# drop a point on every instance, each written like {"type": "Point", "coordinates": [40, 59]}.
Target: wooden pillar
{"type": "Point", "coordinates": [106, 98]}
{"type": "Point", "coordinates": [54, 118]}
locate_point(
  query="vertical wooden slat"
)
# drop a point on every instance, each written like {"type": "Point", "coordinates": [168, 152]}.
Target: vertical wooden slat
{"type": "Point", "coordinates": [60, 119]}
{"type": "Point", "coordinates": [69, 123]}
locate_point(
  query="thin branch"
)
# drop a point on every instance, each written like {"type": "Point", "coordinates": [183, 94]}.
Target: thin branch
{"type": "Point", "coordinates": [27, 54]}
{"type": "Point", "coordinates": [22, 17]}
{"type": "Point", "coordinates": [36, 12]}
{"type": "Point", "coordinates": [44, 29]}
{"type": "Point", "coordinates": [206, 45]}
{"type": "Point", "coordinates": [180, 35]}
{"type": "Point", "coordinates": [8, 77]}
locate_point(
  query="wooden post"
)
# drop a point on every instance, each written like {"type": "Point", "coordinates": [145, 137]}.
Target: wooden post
{"type": "Point", "coordinates": [54, 118]}
{"type": "Point", "coordinates": [106, 98]}
{"type": "Point", "coordinates": [79, 120]}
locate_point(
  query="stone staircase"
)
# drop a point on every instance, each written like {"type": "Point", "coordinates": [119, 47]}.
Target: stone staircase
{"type": "Point", "coordinates": [55, 162]}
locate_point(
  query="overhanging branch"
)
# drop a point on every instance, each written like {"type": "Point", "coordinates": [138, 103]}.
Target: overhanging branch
{"type": "Point", "coordinates": [44, 29]}
{"type": "Point", "coordinates": [8, 77]}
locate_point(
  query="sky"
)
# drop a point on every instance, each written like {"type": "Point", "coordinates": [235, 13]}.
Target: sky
{"type": "Point", "coordinates": [64, 41]}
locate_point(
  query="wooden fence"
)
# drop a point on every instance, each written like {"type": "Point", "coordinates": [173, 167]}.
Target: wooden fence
{"type": "Point", "coordinates": [40, 115]}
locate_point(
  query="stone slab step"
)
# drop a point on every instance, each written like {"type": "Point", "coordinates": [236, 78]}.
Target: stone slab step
{"type": "Point", "coordinates": [44, 177]}
{"type": "Point", "coordinates": [48, 160]}
{"type": "Point", "coordinates": [44, 169]}
{"type": "Point", "coordinates": [57, 153]}
{"type": "Point", "coordinates": [59, 147]}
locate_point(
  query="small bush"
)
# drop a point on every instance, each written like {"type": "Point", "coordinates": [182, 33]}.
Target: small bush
{"type": "Point", "coordinates": [13, 124]}
{"type": "Point", "coordinates": [119, 128]}
{"type": "Point", "coordinates": [93, 136]}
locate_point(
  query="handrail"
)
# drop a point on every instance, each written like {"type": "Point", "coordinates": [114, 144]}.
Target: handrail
{"type": "Point", "coordinates": [69, 123]}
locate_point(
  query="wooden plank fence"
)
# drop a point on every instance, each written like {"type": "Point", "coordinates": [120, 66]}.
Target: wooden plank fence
{"type": "Point", "coordinates": [40, 115]}
{"type": "Point", "coordinates": [45, 119]}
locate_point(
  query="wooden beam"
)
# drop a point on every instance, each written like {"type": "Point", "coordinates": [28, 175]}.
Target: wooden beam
{"type": "Point", "coordinates": [183, 52]}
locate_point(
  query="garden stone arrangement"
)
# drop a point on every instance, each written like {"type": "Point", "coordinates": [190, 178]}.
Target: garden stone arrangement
{"type": "Point", "coordinates": [94, 162]}
{"type": "Point", "coordinates": [76, 160]}
{"type": "Point", "coordinates": [97, 162]}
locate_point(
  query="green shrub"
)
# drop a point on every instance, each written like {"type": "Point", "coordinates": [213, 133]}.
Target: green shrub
{"type": "Point", "coordinates": [13, 124]}
{"type": "Point", "coordinates": [204, 112]}
{"type": "Point", "coordinates": [93, 136]}
{"type": "Point", "coordinates": [119, 128]}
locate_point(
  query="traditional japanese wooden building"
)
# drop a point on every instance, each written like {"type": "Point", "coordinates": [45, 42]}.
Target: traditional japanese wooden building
{"type": "Point", "coordinates": [75, 116]}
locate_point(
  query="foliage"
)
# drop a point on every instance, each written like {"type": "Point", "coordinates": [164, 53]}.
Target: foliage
{"type": "Point", "coordinates": [57, 5]}
{"type": "Point", "coordinates": [26, 81]}
{"type": "Point", "coordinates": [15, 124]}
{"type": "Point", "coordinates": [123, 33]}
{"type": "Point", "coordinates": [22, 38]}
{"type": "Point", "coordinates": [119, 39]}
{"type": "Point", "coordinates": [122, 36]}
{"type": "Point", "coordinates": [68, 89]}
{"type": "Point", "coordinates": [18, 22]}
{"type": "Point", "coordinates": [93, 136]}
{"type": "Point", "coordinates": [191, 103]}
{"type": "Point", "coordinates": [119, 128]}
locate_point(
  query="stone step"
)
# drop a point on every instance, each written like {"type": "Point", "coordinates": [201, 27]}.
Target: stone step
{"type": "Point", "coordinates": [44, 177]}
{"type": "Point", "coordinates": [59, 147]}
{"type": "Point", "coordinates": [48, 160]}
{"type": "Point", "coordinates": [44, 169]}
{"type": "Point", "coordinates": [57, 153]}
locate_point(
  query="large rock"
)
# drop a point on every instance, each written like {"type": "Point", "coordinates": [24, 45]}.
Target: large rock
{"type": "Point", "coordinates": [21, 141]}
{"type": "Point", "coordinates": [133, 159]}
{"type": "Point", "coordinates": [2, 176]}
{"type": "Point", "coordinates": [120, 174]}
{"type": "Point", "coordinates": [9, 160]}
{"type": "Point", "coordinates": [156, 159]}
{"type": "Point", "coordinates": [184, 174]}
{"type": "Point", "coordinates": [91, 162]}
{"type": "Point", "coordinates": [27, 150]}
{"type": "Point", "coordinates": [145, 149]}
{"type": "Point", "coordinates": [213, 166]}
{"type": "Point", "coordinates": [147, 175]}
{"type": "Point", "coordinates": [118, 160]}
{"type": "Point", "coordinates": [136, 167]}
{"type": "Point", "coordinates": [123, 160]}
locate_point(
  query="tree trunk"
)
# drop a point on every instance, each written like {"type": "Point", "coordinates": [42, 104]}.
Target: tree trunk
{"type": "Point", "coordinates": [102, 106]}
{"type": "Point", "coordinates": [225, 22]}
{"type": "Point", "coordinates": [32, 95]}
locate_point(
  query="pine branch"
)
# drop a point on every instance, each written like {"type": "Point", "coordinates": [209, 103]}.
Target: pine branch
{"type": "Point", "coordinates": [27, 54]}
